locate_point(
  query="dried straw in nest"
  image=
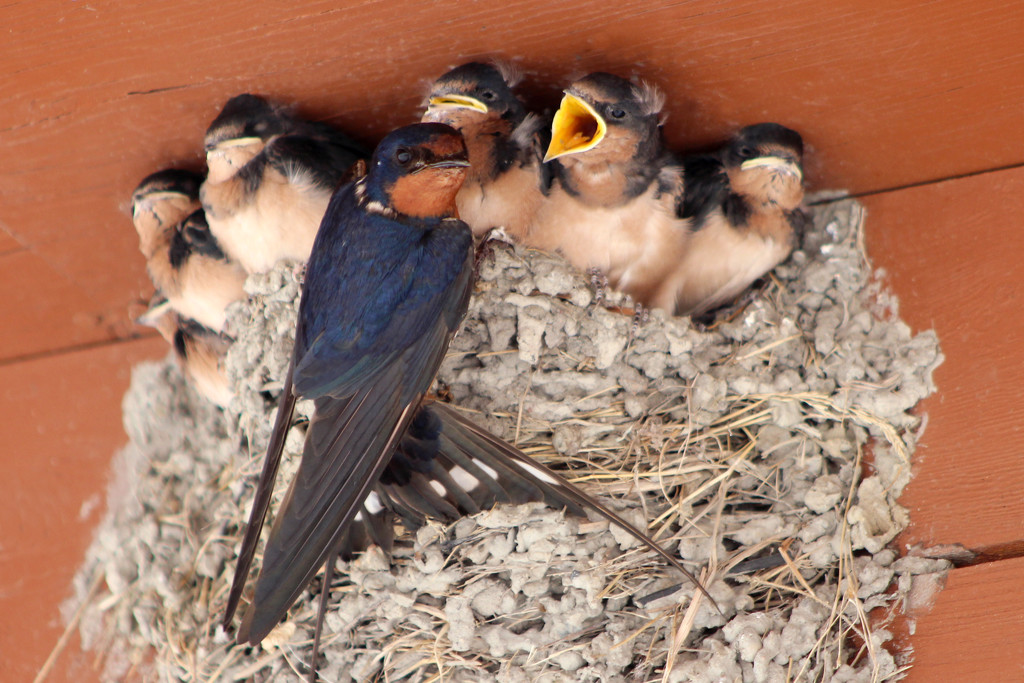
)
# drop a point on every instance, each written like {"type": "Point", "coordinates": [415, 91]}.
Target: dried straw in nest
{"type": "Point", "coordinates": [741, 446]}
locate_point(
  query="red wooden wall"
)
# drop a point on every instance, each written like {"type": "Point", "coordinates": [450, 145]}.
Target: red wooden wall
{"type": "Point", "coordinates": [897, 100]}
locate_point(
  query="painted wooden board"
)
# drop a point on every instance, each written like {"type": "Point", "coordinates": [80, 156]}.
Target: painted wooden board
{"type": "Point", "coordinates": [95, 95]}
{"type": "Point", "coordinates": [60, 421]}
{"type": "Point", "coordinates": [975, 631]}
{"type": "Point", "coordinates": [44, 309]}
{"type": "Point", "coordinates": [8, 244]}
{"type": "Point", "coordinates": [954, 253]}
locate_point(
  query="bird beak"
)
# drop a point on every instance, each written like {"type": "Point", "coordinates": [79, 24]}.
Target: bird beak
{"type": "Point", "coordinates": [457, 102]}
{"type": "Point", "coordinates": [236, 142]}
{"type": "Point", "coordinates": [576, 128]}
{"type": "Point", "coordinates": [152, 317]}
{"type": "Point", "coordinates": [443, 163]}
{"type": "Point", "coordinates": [151, 198]}
{"type": "Point", "coordinates": [780, 164]}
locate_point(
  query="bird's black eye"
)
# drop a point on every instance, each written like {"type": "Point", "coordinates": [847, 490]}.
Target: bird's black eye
{"type": "Point", "coordinates": [488, 95]}
{"type": "Point", "coordinates": [617, 113]}
{"type": "Point", "coordinates": [748, 152]}
{"type": "Point", "coordinates": [403, 156]}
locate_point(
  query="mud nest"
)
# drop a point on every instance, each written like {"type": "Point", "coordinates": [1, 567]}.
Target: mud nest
{"type": "Point", "coordinates": [766, 451]}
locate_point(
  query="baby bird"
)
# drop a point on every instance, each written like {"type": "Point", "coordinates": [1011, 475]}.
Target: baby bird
{"type": "Point", "coordinates": [744, 203]}
{"type": "Point", "coordinates": [612, 207]}
{"type": "Point", "coordinates": [200, 351]}
{"type": "Point", "coordinates": [161, 201]}
{"type": "Point", "coordinates": [270, 178]}
{"type": "Point", "coordinates": [182, 257]}
{"type": "Point", "coordinates": [504, 185]}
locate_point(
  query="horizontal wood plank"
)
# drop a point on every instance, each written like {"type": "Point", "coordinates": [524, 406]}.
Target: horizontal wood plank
{"type": "Point", "coordinates": [975, 630]}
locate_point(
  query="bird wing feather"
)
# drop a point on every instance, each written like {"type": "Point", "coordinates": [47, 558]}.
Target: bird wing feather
{"type": "Point", "coordinates": [370, 340]}
{"type": "Point", "coordinates": [705, 186]}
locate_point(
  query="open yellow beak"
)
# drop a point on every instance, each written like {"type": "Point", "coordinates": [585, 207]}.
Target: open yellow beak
{"type": "Point", "coordinates": [576, 128]}
{"type": "Point", "coordinates": [779, 163]}
{"type": "Point", "coordinates": [459, 102]}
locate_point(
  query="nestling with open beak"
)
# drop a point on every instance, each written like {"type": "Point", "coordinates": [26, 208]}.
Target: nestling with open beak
{"type": "Point", "coordinates": [182, 257]}
{"type": "Point", "coordinates": [504, 184]}
{"type": "Point", "coordinates": [270, 178]}
{"type": "Point", "coordinates": [745, 206]}
{"type": "Point", "coordinates": [613, 205]}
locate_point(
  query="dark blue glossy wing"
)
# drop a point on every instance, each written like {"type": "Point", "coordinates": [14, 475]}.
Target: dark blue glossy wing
{"type": "Point", "coordinates": [381, 302]}
{"type": "Point", "coordinates": [360, 311]}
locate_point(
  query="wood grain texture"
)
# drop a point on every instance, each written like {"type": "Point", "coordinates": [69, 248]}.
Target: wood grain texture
{"type": "Point", "coordinates": [953, 254]}
{"type": "Point", "coordinates": [60, 419]}
{"type": "Point", "coordinates": [45, 309]}
{"type": "Point", "coordinates": [975, 631]}
{"type": "Point", "coordinates": [93, 96]}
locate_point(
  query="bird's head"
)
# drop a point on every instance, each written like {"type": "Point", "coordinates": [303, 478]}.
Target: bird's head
{"type": "Point", "coordinates": [242, 129]}
{"type": "Point", "coordinates": [764, 162]}
{"type": "Point", "coordinates": [162, 200]}
{"type": "Point", "coordinates": [475, 94]}
{"type": "Point", "coordinates": [608, 118]}
{"type": "Point", "coordinates": [417, 171]}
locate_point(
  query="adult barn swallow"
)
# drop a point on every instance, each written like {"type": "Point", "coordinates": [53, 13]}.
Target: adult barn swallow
{"type": "Point", "coordinates": [744, 203]}
{"type": "Point", "coordinates": [386, 287]}
{"type": "Point", "coordinates": [200, 351]}
{"type": "Point", "coordinates": [270, 178]}
{"type": "Point", "coordinates": [182, 257]}
{"type": "Point", "coordinates": [612, 207]}
{"type": "Point", "coordinates": [505, 180]}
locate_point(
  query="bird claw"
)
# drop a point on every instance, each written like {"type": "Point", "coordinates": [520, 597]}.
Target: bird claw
{"type": "Point", "coordinates": [484, 251]}
{"type": "Point", "coordinates": [641, 314]}
{"type": "Point", "coordinates": [702, 323]}
{"type": "Point", "coordinates": [599, 281]}
{"type": "Point", "coordinates": [485, 247]}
